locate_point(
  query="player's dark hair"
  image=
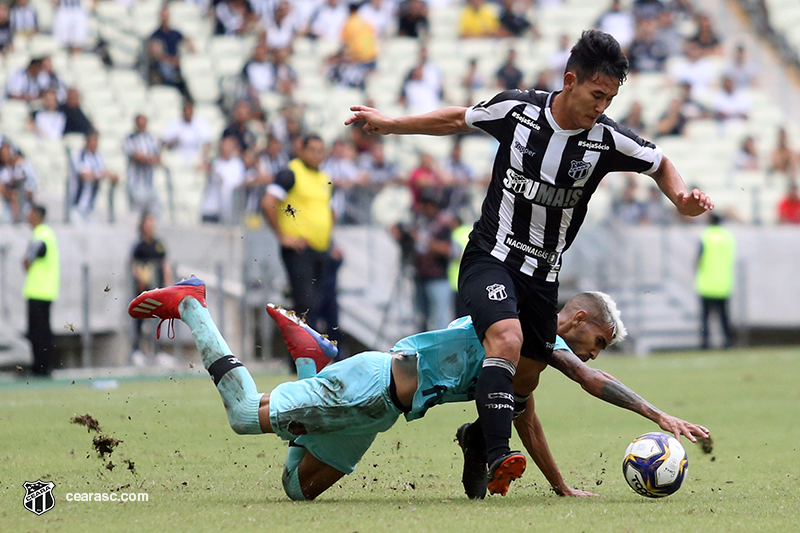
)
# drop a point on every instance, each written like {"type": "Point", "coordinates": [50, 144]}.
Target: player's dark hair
{"type": "Point", "coordinates": [310, 137]}
{"type": "Point", "coordinates": [40, 210]}
{"type": "Point", "coordinates": [597, 52]}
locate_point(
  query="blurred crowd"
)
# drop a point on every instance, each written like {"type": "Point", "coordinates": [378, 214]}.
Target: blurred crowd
{"type": "Point", "coordinates": [240, 164]}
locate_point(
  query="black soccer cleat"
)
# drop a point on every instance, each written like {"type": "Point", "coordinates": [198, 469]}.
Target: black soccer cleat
{"type": "Point", "coordinates": [474, 476]}
{"type": "Point", "coordinates": [504, 470]}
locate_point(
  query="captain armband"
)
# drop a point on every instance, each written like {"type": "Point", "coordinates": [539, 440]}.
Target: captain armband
{"type": "Point", "coordinates": [520, 403]}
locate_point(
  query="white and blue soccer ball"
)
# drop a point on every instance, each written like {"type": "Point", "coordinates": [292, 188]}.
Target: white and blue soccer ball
{"type": "Point", "coordinates": [655, 465]}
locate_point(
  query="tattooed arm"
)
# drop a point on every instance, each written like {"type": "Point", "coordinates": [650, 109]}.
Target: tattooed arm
{"type": "Point", "coordinates": [608, 388]}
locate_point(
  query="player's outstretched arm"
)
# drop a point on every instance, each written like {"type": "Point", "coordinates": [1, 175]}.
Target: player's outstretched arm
{"type": "Point", "coordinates": [530, 431]}
{"type": "Point", "coordinates": [671, 184]}
{"type": "Point", "coordinates": [445, 121]}
{"type": "Point", "coordinates": [606, 387]}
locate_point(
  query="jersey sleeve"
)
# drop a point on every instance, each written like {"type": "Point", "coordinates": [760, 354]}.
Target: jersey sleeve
{"type": "Point", "coordinates": [631, 152]}
{"type": "Point", "coordinates": [490, 116]}
{"type": "Point", "coordinates": [284, 181]}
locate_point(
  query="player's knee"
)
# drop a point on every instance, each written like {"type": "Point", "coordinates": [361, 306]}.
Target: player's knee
{"type": "Point", "coordinates": [243, 416]}
{"type": "Point", "coordinates": [291, 484]}
{"type": "Point", "coordinates": [505, 342]}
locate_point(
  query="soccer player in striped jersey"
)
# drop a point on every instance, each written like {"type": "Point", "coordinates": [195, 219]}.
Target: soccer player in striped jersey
{"type": "Point", "coordinates": [554, 150]}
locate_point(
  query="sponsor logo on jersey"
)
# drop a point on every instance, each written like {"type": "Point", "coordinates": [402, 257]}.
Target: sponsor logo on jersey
{"type": "Point", "coordinates": [595, 146]}
{"type": "Point", "coordinates": [543, 194]}
{"type": "Point", "coordinates": [524, 150]}
{"type": "Point", "coordinates": [497, 292]}
{"type": "Point", "coordinates": [532, 250]}
{"type": "Point", "coordinates": [526, 120]}
{"type": "Point", "coordinates": [550, 345]}
{"type": "Point", "coordinates": [579, 169]}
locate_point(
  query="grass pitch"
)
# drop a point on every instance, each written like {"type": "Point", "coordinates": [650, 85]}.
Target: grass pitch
{"type": "Point", "coordinates": [200, 476]}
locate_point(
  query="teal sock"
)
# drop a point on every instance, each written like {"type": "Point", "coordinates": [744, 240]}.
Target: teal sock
{"type": "Point", "coordinates": [306, 367]}
{"type": "Point", "coordinates": [290, 477]}
{"type": "Point", "coordinates": [234, 383]}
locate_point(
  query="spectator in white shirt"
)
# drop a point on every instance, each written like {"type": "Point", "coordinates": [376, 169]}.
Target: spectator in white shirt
{"type": "Point", "coordinates": [71, 24]}
{"type": "Point", "coordinates": [742, 71]}
{"type": "Point", "coordinates": [328, 20]}
{"type": "Point", "coordinates": [380, 14]}
{"type": "Point", "coordinates": [730, 103]}
{"type": "Point", "coordinates": [49, 122]}
{"type": "Point", "coordinates": [280, 30]}
{"type": "Point", "coordinates": [619, 22]}
{"type": "Point", "coordinates": [189, 136]}
{"type": "Point", "coordinates": [24, 83]}
{"type": "Point", "coordinates": [557, 62]}
{"type": "Point", "coordinates": [259, 72]}
{"type": "Point", "coordinates": [418, 96]}
{"type": "Point", "coordinates": [698, 71]}
{"type": "Point", "coordinates": [226, 174]}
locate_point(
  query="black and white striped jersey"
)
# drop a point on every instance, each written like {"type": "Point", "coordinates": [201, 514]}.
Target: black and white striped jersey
{"type": "Point", "coordinates": [543, 177]}
{"type": "Point", "coordinates": [140, 142]}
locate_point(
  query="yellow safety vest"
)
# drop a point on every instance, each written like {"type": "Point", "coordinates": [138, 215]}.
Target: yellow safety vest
{"type": "Point", "coordinates": [460, 237]}
{"type": "Point", "coordinates": [42, 279]}
{"type": "Point", "coordinates": [306, 210]}
{"type": "Point", "coordinates": [715, 270]}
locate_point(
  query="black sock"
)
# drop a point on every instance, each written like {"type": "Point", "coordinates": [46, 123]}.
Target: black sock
{"type": "Point", "coordinates": [495, 400]}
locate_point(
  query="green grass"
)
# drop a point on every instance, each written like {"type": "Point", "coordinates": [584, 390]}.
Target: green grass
{"type": "Point", "coordinates": [200, 476]}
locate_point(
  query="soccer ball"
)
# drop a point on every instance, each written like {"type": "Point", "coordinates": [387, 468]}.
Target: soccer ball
{"type": "Point", "coordinates": [655, 465]}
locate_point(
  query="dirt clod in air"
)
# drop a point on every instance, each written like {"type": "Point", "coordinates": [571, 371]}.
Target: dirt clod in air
{"type": "Point", "coordinates": [110, 466]}
{"type": "Point", "coordinates": [104, 445]}
{"type": "Point", "coordinates": [131, 465]}
{"type": "Point", "coordinates": [87, 420]}
{"type": "Point", "coordinates": [707, 445]}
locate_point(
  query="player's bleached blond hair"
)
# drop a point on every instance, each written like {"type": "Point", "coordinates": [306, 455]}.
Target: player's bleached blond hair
{"type": "Point", "coordinates": [601, 306]}
{"type": "Point", "coordinates": [611, 315]}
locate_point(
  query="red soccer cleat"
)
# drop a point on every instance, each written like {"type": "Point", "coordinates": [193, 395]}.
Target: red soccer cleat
{"type": "Point", "coordinates": [504, 470]}
{"type": "Point", "coordinates": [163, 303]}
{"type": "Point", "coordinates": [301, 339]}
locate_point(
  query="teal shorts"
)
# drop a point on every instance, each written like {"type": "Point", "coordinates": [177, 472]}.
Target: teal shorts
{"type": "Point", "coordinates": [336, 414]}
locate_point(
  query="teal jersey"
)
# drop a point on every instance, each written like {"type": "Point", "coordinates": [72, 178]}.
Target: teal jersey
{"type": "Point", "coordinates": [448, 364]}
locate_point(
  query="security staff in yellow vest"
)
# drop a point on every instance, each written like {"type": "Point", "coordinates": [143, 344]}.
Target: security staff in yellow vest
{"type": "Point", "coordinates": [42, 267]}
{"type": "Point", "coordinates": [297, 207]}
{"type": "Point", "coordinates": [715, 276]}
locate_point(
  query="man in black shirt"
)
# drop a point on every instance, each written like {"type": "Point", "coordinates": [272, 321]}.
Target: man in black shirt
{"type": "Point", "coordinates": [77, 121]}
{"type": "Point", "coordinates": [554, 150]}
{"type": "Point", "coordinates": [150, 269]}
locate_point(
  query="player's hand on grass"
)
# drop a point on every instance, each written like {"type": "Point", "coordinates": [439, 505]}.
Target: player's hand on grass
{"type": "Point", "coordinates": [694, 203]}
{"type": "Point", "coordinates": [679, 427]}
{"type": "Point", "coordinates": [577, 493]}
{"type": "Point", "coordinates": [376, 122]}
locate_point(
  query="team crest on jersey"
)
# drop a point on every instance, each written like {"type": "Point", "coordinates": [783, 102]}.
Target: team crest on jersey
{"type": "Point", "coordinates": [497, 292]}
{"type": "Point", "coordinates": [38, 497]}
{"type": "Point", "coordinates": [579, 169]}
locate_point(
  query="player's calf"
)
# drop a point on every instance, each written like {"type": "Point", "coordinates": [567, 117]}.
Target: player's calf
{"type": "Point", "coordinates": [186, 301]}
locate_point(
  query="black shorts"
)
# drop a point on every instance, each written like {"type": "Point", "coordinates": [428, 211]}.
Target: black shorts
{"type": "Point", "coordinates": [492, 292]}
